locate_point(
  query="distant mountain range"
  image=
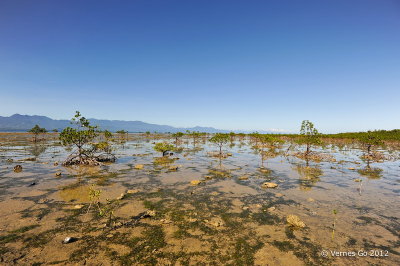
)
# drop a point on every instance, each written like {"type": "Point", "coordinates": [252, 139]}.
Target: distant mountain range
{"type": "Point", "coordinates": [18, 123]}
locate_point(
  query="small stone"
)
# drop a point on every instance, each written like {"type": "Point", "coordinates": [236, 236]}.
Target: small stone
{"type": "Point", "coordinates": [208, 177]}
{"type": "Point", "coordinates": [243, 177]}
{"type": "Point", "coordinates": [216, 222]}
{"type": "Point", "coordinates": [17, 168]}
{"type": "Point", "coordinates": [265, 171]}
{"type": "Point", "coordinates": [173, 168]}
{"type": "Point", "coordinates": [271, 209]}
{"type": "Point", "coordinates": [352, 168]}
{"type": "Point", "coordinates": [55, 163]}
{"type": "Point", "coordinates": [121, 196]}
{"type": "Point", "coordinates": [310, 200]}
{"type": "Point", "coordinates": [32, 184]}
{"type": "Point", "coordinates": [195, 182]}
{"type": "Point", "coordinates": [269, 185]}
{"type": "Point", "coordinates": [79, 206]}
{"type": "Point", "coordinates": [279, 195]}
{"type": "Point", "coordinates": [150, 213]}
{"type": "Point", "coordinates": [58, 174]}
{"type": "Point", "coordinates": [295, 221]}
{"type": "Point", "coordinates": [132, 191]}
{"type": "Point", "coordinates": [69, 239]}
{"type": "Point", "coordinates": [139, 166]}
{"type": "Point", "coordinates": [229, 154]}
{"type": "Point", "coordinates": [358, 180]}
{"type": "Point", "coordinates": [109, 235]}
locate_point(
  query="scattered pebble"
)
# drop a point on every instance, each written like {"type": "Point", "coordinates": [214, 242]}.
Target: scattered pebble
{"type": "Point", "coordinates": [358, 180]}
{"type": "Point", "coordinates": [295, 221]}
{"type": "Point", "coordinates": [195, 182]}
{"type": "Point", "coordinates": [17, 168]}
{"type": "Point", "coordinates": [173, 168]}
{"type": "Point", "coordinates": [269, 185]}
{"type": "Point", "coordinates": [69, 239]}
{"type": "Point", "coordinates": [243, 177]}
{"type": "Point", "coordinates": [139, 166]}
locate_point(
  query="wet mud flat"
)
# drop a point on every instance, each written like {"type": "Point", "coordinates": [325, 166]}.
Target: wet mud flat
{"type": "Point", "coordinates": [194, 209]}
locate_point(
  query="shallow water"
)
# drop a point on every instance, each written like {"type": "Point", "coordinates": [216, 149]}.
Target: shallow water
{"type": "Point", "coordinates": [223, 220]}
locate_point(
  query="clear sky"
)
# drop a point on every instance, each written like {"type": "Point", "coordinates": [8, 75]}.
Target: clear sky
{"type": "Point", "coordinates": [254, 65]}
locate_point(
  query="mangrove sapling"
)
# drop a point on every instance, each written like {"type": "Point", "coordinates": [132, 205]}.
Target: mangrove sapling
{"type": "Point", "coordinates": [163, 147]}
{"type": "Point", "coordinates": [334, 223]}
{"type": "Point", "coordinates": [309, 136]}
{"type": "Point", "coordinates": [220, 139]}
{"type": "Point", "coordinates": [368, 141]}
{"type": "Point", "coordinates": [177, 137]}
{"type": "Point", "coordinates": [81, 136]}
{"type": "Point", "coordinates": [232, 136]}
{"type": "Point", "coordinates": [94, 197]}
{"type": "Point", "coordinates": [36, 130]}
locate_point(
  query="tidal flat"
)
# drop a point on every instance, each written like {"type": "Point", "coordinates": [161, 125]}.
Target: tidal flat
{"type": "Point", "coordinates": [192, 208]}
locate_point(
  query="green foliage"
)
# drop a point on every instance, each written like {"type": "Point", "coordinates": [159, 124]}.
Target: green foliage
{"type": "Point", "coordinates": [122, 132]}
{"type": "Point", "coordinates": [309, 135]}
{"type": "Point", "coordinates": [177, 136]}
{"type": "Point", "coordinates": [220, 139]}
{"type": "Point", "coordinates": [81, 134]}
{"type": "Point", "coordinates": [163, 147]}
{"type": "Point", "coordinates": [36, 130]}
{"type": "Point", "coordinates": [369, 139]}
{"type": "Point", "coordinates": [107, 134]}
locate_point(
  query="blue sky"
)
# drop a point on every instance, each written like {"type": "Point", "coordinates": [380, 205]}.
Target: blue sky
{"type": "Point", "coordinates": [253, 65]}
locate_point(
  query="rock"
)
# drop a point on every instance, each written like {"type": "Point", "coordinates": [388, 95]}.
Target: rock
{"type": "Point", "coordinates": [150, 213]}
{"type": "Point", "coordinates": [109, 235]}
{"type": "Point", "coordinates": [352, 168]}
{"type": "Point", "coordinates": [243, 177]}
{"type": "Point", "coordinates": [310, 200]}
{"type": "Point", "coordinates": [195, 182]}
{"type": "Point", "coordinates": [17, 168]}
{"type": "Point", "coordinates": [265, 171]}
{"type": "Point", "coordinates": [269, 185]}
{"type": "Point", "coordinates": [358, 180]}
{"type": "Point", "coordinates": [216, 222]}
{"type": "Point", "coordinates": [295, 221]}
{"type": "Point", "coordinates": [10, 160]}
{"type": "Point", "coordinates": [79, 206]}
{"type": "Point", "coordinates": [55, 163]}
{"type": "Point", "coordinates": [58, 174]}
{"type": "Point", "coordinates": [173, 168]}
{"type": "Point", "coordinates": [69, 239]}
{"type": "Point", "coordinates": [32, 184]}
{"type": "Point", "coordinates": [229, 154]}
{"type": "Point", "coordinates": [279, 195]}
{"type": "Point", "coordinates": [271, 209]}
{"type": "Point", "coordinates": [139, 166]}
{"type": "Point", "coordinates": [132, 191]}
{"type": "Point", "coordinates": [208, 177]}
{"type": "Point", "coordinates": [121, 196]}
